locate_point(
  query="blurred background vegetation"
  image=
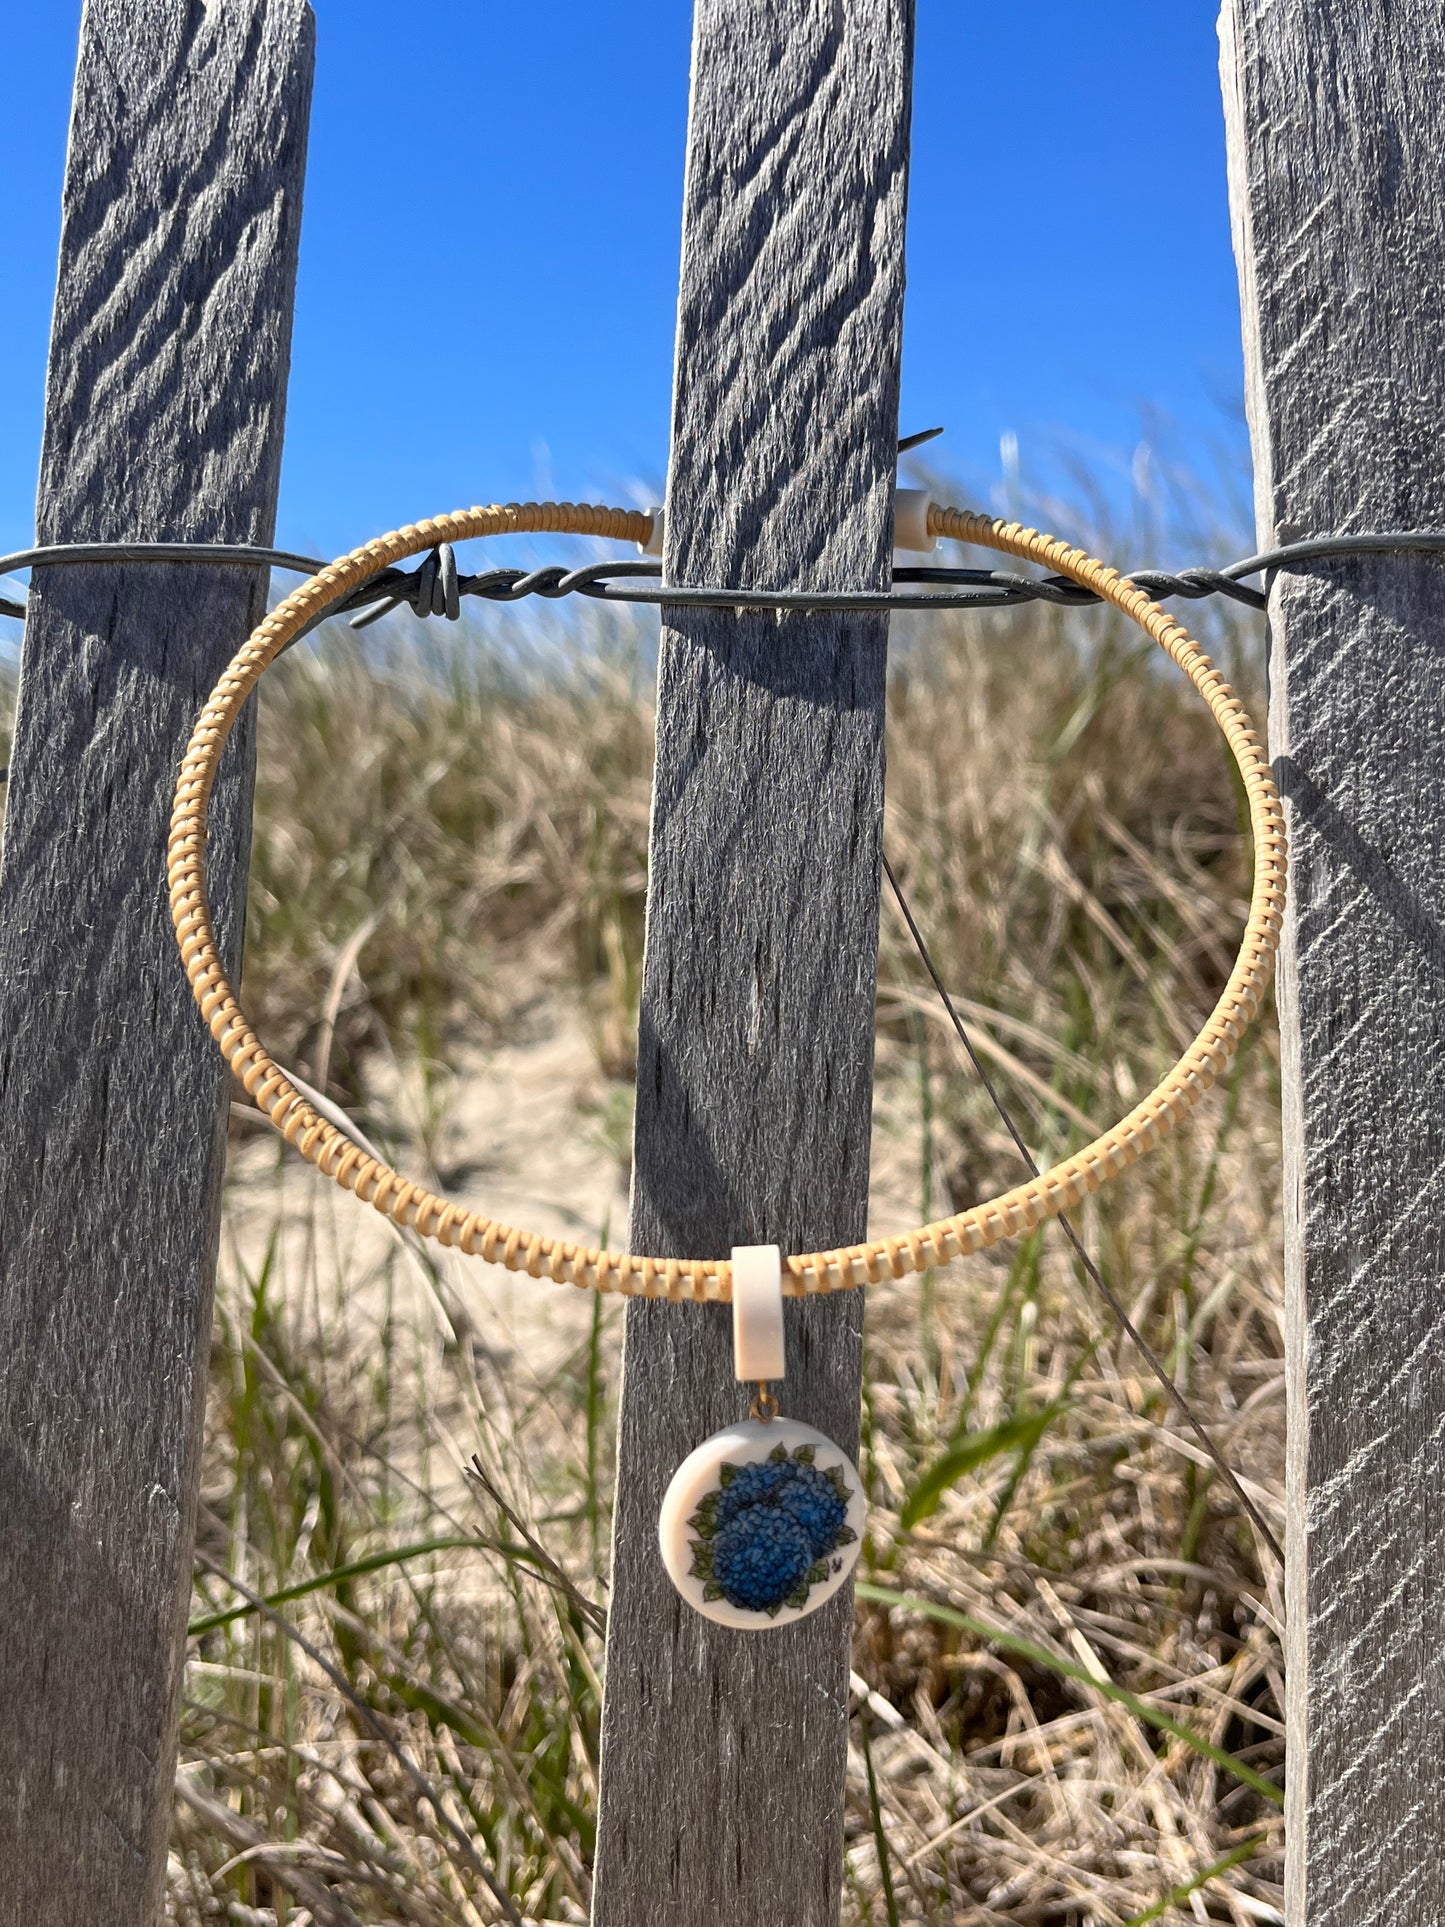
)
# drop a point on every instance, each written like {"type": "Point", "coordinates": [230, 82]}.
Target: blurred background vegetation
{"type": "Point", "coordinates": [1076, 1718]}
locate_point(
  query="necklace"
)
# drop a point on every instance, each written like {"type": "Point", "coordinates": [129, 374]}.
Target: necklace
{"type": "Point", "coordinates": [747, 1506]}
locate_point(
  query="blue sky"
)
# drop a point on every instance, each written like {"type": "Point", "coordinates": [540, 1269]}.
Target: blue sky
{"type": "Point", "coordinates": [515, 175]}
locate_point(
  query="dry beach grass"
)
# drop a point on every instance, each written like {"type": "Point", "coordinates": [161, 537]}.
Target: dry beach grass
{"type": "Point", "coordinates": [1067, 1682]}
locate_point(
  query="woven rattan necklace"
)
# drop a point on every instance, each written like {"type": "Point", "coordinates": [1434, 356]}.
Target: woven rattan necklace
{"type": "Point", "coordinates": [762, 1522]}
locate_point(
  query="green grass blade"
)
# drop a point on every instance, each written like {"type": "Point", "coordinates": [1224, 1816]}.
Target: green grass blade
{"type": "Point", "coordinates": [1022, 1271]}
{"type": "Point", "coordinates": [880, 1836]}
{"type": "Point", "coordinates": [594, 1425]}
{"type": "Point", "coordinates": [1177, 1896]}
{"type": "Point", "coordinates": [1021, 1434]}
{"type": "Point", "coordinates": [1067, 1669]}
{"type": "Point", "coordinates": [318, 1582]}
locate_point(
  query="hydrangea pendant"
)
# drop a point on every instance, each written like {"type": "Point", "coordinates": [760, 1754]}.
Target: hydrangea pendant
{"type": "Point", "coordinates": [764, 1521]}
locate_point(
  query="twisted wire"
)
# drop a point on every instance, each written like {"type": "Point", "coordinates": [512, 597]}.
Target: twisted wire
{"type": "Point", "coordinates": [411, 1205]}
{"type": "Point", "coordinates": [438, 588]}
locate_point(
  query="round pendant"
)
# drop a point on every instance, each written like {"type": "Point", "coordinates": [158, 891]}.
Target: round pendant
{"type": "Point", "coordinates": [762, 1523]}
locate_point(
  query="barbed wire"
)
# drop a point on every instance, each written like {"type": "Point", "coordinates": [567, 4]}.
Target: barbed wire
{"type": "Point", "coordinates": [437, 587]}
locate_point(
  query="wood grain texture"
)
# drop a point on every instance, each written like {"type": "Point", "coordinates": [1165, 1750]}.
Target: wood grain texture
{"type": "Point", "coordinates": [1336, 124]}
{"type": "Point", "coordinates": [724, 1752]}
{"type": "Point", "coordinates": [163, 420]}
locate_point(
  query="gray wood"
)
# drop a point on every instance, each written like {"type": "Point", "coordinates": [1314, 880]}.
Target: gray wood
{"type": "Point", "coordinates": [1336, 126]}
{"type": "Point", "coordinates": [163, 420]}
{"type": "Point", "coordinates": [724, 1752]}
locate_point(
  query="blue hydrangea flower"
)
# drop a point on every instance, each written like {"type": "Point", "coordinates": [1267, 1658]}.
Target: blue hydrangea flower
{"type": "Point", "coordinates": [815, 1502]}
{"type": "Point", "coordinates": [753, 1485]}
{"type": "Point", "coordinates": [760, 1557]}
{"type": "Point", "coordinates": [765, 1535]}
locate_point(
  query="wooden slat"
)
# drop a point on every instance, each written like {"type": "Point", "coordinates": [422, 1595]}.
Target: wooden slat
{"type": "Point", "coordinates": [1336, 123]}
{"type": "Point", "coordinates": [724, 1752]}
{"type": "Point", "coordinates": [163, 420]}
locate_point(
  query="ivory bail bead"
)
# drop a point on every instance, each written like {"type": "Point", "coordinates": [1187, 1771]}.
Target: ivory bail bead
{"type": "Point", "coordinates": [758, 1314]}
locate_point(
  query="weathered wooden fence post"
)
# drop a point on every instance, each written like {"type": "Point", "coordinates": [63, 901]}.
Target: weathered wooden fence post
{"type": "Point", "coordinates": [724, 1752]}
{"type": "Point", "coordinates": [1336, 123]}
{"type": "Point", "coordinates": [164, 409]}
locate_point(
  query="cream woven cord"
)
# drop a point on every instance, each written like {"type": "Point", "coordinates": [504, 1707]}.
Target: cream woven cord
{"type": "Point", "coordinates": [938, 1243]}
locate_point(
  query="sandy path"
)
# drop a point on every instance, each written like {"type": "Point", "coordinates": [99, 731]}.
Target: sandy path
{"type": "Point", "coordinates": [532, 1132]}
